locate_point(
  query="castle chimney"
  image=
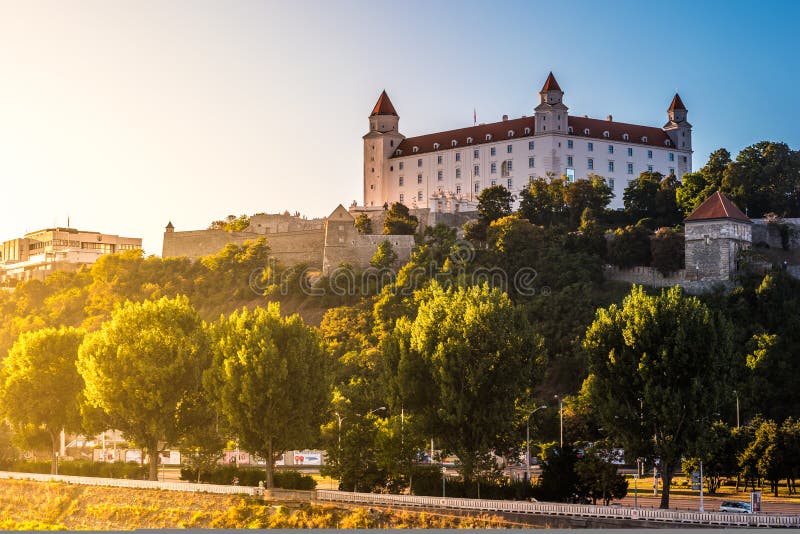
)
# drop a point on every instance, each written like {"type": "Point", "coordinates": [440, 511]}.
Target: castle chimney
{"type": "Point", "coordinates": [505, 117]}
{"type": "Point", "coordinates": [609, 118]}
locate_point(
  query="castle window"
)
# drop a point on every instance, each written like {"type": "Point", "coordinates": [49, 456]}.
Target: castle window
{"type": "Point", "coordinates": [586, 131]}
{"type": "Point", "coordinates": [439, 175]}
{"type": "Point", "coordinates": [391, 142]}
{"type": "Point", "coordinates": [510, 183]}
{"type": "Point", "coordinates": [569, 161]}
{"type": "Point", "coordinates": [477, 187]}
{"type": "Point", "coordinates": [507, 167]}
{"type": "Point", "coordinates": [649, 168]}
{"type": "Point", "coordinates": [494, 182]}
{"type": "Point", "coordinates": [419, 178]}
{"type": "Point", "coordinates": [476, 170]}
{"type": "Point", "coordinates": [458, 156]}
{"type": "Point", "coordinates": [590, 147]}
{"type": "Point", "coordinates": [439, 160]}
{"type": "Point", "coordinates": [511, 133]}
{"type": "Point", "coordinates": [610, 149]}
{"type": "Point", "coordinates": [610, 166]}
{"type": "Point", "coordinates": [402, 198]}
{"type": "Point", "coordinates": [453, 142]}
{"type": "Point", "coordinates": [488, 137]}
{"type": "Point", "coordinates": [458, 172]}
{"type": "Point", "coordinates": [391, 168]}
{"type": "Point", "coordinates": [606, 134]}
{"type": "Point", "coordinates": [419, 195]}
{"type": "Point", "coordinates": [436, 146]}
{"type": "Point", "coordinates": [590, 164]}
{"type": "Point", "coordinates": [493, 151]}
{"type": "Point", "coordinates": [401, 181]}
{"type": "Point", "coordinates": [530, 145]}
{"type": "Point", "coordinates": [630, 168]}
{"type": "Point", "coordinates": [672, 156]}
{"type": "Point", "coordinates": [630, 152]}
{"type": "Point", "coordinates": [415, 149]}
{"type": "Point", "coordinates": [493, 168]}
{"type": "Point", "coordinates": [469, 140]}
{"type": "Point", "coordinates": [667, 143]}
{"type": "Point", "coordinates": [476, 154]}
{"type": "Point", "coordinates": [527, 131]}
{"type": "Point", "coordinates": [509, 149]}
{"type": "Point", "coordinates": [625, 137]}
{"type": "Point", "coordinates": [672, 170]}
{"type": "Point", "coordinates": [398, 152]}
{"type": "Point", "coordinates": [419, 162]}
{"type": "Point", "coordinates": [570, 130]}
{"type": "Point", "coordinates": [644, 139]}
{"type": "Point", "coordinates": [400, 165]}
{"type": "Point", "coordinates": [569, 144]}
{"type": "Point", "coordinates": [531, 163]}
{"type": "Point", "coordinates": [649, 154]}
{"type": "Point", "coordinates": [684, 158]}
{"type": "Point", "coordinates": [458, 190]}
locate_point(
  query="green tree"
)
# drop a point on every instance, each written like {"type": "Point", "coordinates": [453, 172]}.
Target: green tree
{"type": "Point", "coordinates": [465, 361]}
{"type": "Point", "coordinates": [718, 451]}
{"type": "Point", "coordinates": [668, 251]}
{"type": "Point", "coordinates": [593, 194]}
{"type": "Point", "coordinates": [141, 366]}
{"type": "Point", "coordinates": [543, 202]}
{"type": "Point", "coordinates": [598, 478]}
{"type": "Point", "coordinates": [363, 224]}
{"type": "Point", "coordinates": [661, 365]}
{"type": "Point", "coordinates": [630, 247]}
{"type": "Point", "coordinates": [399, 221]}
{"type": "Point", "coordinates": [494, 202]}
{"type": "Point", "coordinates": [201, 440]}
{"type": "Point", "coordinates": [40, 385]}
{"type": "Point", "coordinates": [764, 178]}
{"type": "Point", "coordinates": [653, 196]}
{"type": "Point", "coordinates": [385, 257]}
{"type": "Point", "coordinates": [269, 380]}
{"type": "Point", "coordinates": [698, 186]}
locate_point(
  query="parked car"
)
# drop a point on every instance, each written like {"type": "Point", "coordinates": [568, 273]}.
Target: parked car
{"type": "Point", "coordinates": [735, 507]}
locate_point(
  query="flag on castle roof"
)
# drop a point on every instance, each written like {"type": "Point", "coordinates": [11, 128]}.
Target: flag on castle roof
{"type": "Point", "coordinates": [717, 206]}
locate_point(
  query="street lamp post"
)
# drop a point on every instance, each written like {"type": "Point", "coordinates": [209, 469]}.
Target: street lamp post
{"type": "Point", "coordinates": [561, 420]}
{"type": "Point", "coordinates": [528, 441]}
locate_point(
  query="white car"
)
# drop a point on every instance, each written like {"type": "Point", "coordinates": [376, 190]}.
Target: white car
{"type": "Point", "coordinates": [735, 507]}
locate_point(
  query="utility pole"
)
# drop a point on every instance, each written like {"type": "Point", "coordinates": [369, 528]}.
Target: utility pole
{"type": "Point", "coordinates": [701, 487]}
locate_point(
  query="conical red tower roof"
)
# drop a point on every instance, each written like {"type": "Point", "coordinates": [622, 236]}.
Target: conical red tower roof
{"type": "Point", "coordinates": [717, 206]}
{"type": "Point", "coordinates": [551, 84]}
{"type": "Point", "coordinates": [677, 103]}
{"type": "Point", "coordinates": [383, 106]}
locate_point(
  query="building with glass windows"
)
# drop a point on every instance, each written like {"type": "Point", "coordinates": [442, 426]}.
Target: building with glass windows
{"type": "Point", "coordinates": [37, 254]}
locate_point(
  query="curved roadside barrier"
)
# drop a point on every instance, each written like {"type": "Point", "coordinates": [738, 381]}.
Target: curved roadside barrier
{"type": "Point", "coordinates": [573, 510]}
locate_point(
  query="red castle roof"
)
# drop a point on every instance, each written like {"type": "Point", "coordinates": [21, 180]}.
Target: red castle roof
{"type": "Point", "coordinates": [551, 84]}
{"type": "Point", "coordinates": [383, 106]}
{"type": "Point", "coordinates": [499, 132]}
{"type": "Point", "coordinates": [677, 103]}
{"type": "Point", "coordinates": [717, 206]}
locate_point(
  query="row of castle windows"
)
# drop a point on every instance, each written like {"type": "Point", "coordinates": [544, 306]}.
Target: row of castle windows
{"type": "Point", "coordinates": [510, 149]}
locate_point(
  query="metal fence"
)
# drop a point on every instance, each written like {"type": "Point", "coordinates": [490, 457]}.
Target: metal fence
{"type": "Point", "coordinates": [128, 483]}
{"type": "Point", "coordinates": [574, 510]}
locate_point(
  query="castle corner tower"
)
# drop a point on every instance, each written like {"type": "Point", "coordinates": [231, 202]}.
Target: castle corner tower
{"type": "Point", "coordinates": [680, 132]}
{"type": "Point", "coordinates": [380, 143]}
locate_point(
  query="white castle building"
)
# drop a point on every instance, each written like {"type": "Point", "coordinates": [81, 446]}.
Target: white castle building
{"type": "Point", "coordinates": [446, 171]}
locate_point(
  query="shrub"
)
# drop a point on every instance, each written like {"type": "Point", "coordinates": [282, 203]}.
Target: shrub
{"type": "Point", "coordinates": [225, 474]}
{"type": "Point", "coordinates": [629, 247]}
{"type": "Point", "coordinates": [668, 251]}
{"type": "Point", "coordinates": [82, 468]}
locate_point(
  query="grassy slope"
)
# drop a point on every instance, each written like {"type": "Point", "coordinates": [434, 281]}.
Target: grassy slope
{"type": "Point", "coordinates": [33, 505]}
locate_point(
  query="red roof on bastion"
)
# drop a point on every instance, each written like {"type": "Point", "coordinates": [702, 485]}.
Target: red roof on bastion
{"type": "Point", "coordinates": [717, 206]}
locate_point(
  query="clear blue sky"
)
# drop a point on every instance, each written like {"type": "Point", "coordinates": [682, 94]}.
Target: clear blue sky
{"type": "Point", "coordinates": [127, 114]}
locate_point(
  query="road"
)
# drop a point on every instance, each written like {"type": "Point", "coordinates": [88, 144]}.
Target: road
{"type": "Point", "coordinates": [711, 504]}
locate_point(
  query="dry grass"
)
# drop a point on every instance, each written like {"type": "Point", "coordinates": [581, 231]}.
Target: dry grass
{"type": "Point", "coordinates": [27, 505]}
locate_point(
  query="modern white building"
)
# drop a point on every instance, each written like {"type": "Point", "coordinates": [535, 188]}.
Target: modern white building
{"type": "Point", "coordinates": [446, 171]}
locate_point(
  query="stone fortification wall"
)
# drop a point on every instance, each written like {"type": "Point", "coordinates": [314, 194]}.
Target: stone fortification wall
{"type": "Point", "coordinates": [425, 215]}
{"type": "Point", "coordinates": [288, 248]}
{"type": "Point", "coordinates": [358, 250]}
{"type": "Point", "coordinates": [771, 234]}
{"type": "Point", "coordinates": [648, 276]}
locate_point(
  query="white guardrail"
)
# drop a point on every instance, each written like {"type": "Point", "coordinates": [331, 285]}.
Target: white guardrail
{"type": "Point", "coordinates": [128, 483]}
{"type": "Point", "coordinates": [574, 510]}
